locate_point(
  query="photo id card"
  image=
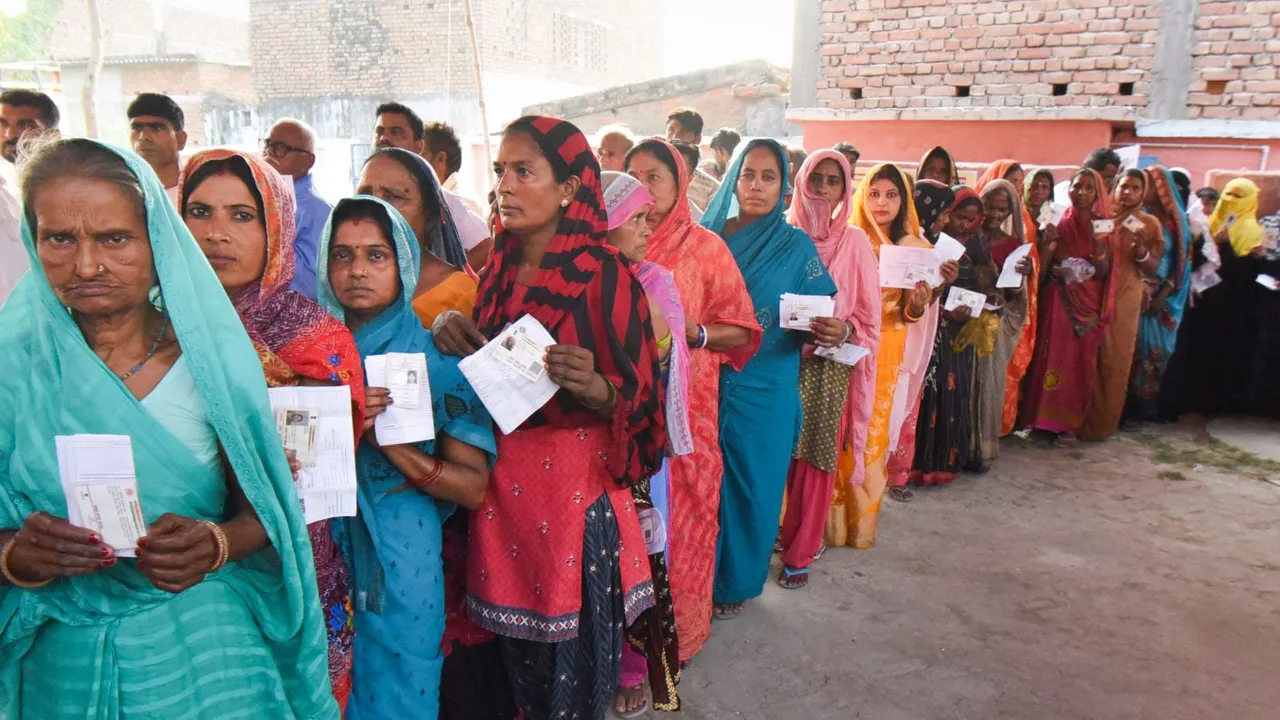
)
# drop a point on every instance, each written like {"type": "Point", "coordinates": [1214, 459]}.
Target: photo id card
{"type": "Point", "coordinates": [522, 354]}
{"type": "Point", "coordinates": [406, 379]}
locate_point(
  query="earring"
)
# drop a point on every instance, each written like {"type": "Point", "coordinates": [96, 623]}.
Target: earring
{"type": "Point", "coordinates": [564, 203]}
{"type": "Point", "coordinates": [156, 298]}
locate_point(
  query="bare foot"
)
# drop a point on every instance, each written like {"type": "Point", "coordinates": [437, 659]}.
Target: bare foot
{"type": "Point", "coordinates": [631, 702]}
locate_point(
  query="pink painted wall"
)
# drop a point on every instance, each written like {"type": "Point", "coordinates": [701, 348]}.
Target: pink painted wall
{"type": "Point", "coordinates": [1208, 154]}
{"type": "Point", "coordinates": [1036, 142]}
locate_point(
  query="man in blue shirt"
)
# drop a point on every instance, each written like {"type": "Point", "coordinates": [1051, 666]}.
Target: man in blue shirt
{"type": "Point", "coordinates": [290, 147]}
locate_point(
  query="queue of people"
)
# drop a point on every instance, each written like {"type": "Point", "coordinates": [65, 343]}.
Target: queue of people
{"type": "Point", "coordinates": [574, 566]}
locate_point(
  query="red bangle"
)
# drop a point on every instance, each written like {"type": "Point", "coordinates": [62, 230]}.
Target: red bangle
{"type": "Point", "coordinates": [432, 477]}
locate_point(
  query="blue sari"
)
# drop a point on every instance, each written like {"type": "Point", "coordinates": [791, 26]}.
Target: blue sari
{"type": "Point", "coordinates": [760, 412]}
{"type": "Point", "coordinates": [248, 640]}
{"type": "Point", "coordinates": [1158, 329]}
{"type": "Point", "coordinates": [394, 544]}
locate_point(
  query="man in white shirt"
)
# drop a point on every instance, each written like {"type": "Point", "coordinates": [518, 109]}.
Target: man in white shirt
{"type": "Point", "coordinates": [156, 132]}
{"type": "Point", "coordinates": [22, 113]}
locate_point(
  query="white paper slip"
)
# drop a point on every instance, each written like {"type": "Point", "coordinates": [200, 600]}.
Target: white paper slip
{"type": "Point", "coordinates": [948, 248]}
{"type": "Point", "coordinates": [399, 425]}
{"type": "Point", "coordinates": [1102, 227]}
{"type": "Point", "coordinates": [522, 354]}
{"type": "Point", "coordinates": [1229, 220]}
{"type": "Point", "coordinates": [1268, 282]}
{"type": "Point", "coordinates": [798, 311]}
{"type": "Point", "coordinates": [959, 297]}
{"type": "Point", "coordinates": [653, 529]}
{"type": "Point", "coordinates": [407, 379]}
{"type": "Point", "coordinates": [101, 487]}
{"type": "Point", "coordinates": [1009, 275]}
{"type": "Point", "coordinates": [1051, 214]}
{"type": "Point", "coordinates": [1201, 282]}
{"type": "Point", "coordinates": [509, 397]}
{"type": "Point", "coordinates": [903, 267]}
{"type": "Point", "coordinates": [1133, 224]}
{"type": "Point", "coordinates": [326, 486]}
{"type": "Point", "coordinates": [847, 354]}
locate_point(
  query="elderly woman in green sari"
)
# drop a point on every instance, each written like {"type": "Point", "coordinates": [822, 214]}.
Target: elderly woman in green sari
{"type": "Point", "coordinates": [122, 328]}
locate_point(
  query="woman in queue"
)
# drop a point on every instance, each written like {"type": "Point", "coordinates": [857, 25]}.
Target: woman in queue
{"type": "Point", "coordinates": [558, 567]}
{"type": "Point", "coordinates": [944, 429]}
{"type": "Point", "coordinates": [1077, 304]}
{"type": "Point", "coordinates": [627, 204]}
{"type": "Point", "coordinates": [241, 214]}
{"type": "Point", "coordinates": [760, 412]}
{"type": "Point", "coordinates": [996, 332]}
{"type": "Point", "coordinates": [368, 265]}
{"type": "Point", "coordinates": [883, 208]}
{"type": "Point", "coordinates": [1137, 255]}
{"type": "Point", "coordinates": [836, 397]}
{"type": "Point", "coordinates": [219, 612]}
{"type": "Point", "coordinates": [1168, 291]}
{"type": "Point", "coordinates": [721, 331]}
{"type": "Point", "coordinates": [406, 182]}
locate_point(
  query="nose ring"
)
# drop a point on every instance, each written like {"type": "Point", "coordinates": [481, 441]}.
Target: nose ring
{"type": "Point", "coordinates": [101, 269]}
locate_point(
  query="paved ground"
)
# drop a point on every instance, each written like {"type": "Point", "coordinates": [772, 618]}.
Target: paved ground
{"type": "Point", "coordinates": [1098, 583]}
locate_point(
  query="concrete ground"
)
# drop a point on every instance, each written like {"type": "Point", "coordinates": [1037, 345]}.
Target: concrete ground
{"type": "Point", "coordinates": [1128, 579]}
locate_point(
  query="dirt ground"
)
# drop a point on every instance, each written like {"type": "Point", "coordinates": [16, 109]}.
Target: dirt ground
{"type": "Point", "coordinates": [1137, 578]}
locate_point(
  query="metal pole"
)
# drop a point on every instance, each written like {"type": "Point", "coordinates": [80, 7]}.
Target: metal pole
{"type": "Point", "coordinates": [475, 60]}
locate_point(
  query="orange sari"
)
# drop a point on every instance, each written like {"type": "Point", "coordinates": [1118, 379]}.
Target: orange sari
{"type": "Point", "coordinates": [904, 351]}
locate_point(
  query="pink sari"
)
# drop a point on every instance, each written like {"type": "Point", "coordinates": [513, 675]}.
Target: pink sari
{"type": "Point", "coordinates": [847, 254]}
{"type": "Point", "coordinates": [1073, 320]}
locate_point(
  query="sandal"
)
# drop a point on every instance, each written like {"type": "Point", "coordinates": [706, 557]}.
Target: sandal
{"type": "Point", "coordinates": [622, 700]}
{"type": "Point", "coordinates": [821, 551]}
{"type": "Point", "coordinates": [727, 611]}
{"type": "Point", "coordinates": [1066, 440]}
{"type": "Point", "coordinates": [901, 494]}
{"type": "Point", "coordinates": [793, 579]}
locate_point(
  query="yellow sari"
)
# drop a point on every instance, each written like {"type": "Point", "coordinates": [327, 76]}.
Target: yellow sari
{"type": "Point", "coordinates": [855, 509]}
{"type": "Point", "coordinates": [456, 292]}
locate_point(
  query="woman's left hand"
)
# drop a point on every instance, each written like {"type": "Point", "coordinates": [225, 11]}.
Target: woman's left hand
{"type": "Point", "coordinates": [177, 552]}
{"type": "Point", "coordinates": [950, 271]}
{"type": "Point", "coordinates": [376, 402]}
{"type": "Point", "coordinates": [571, 367]}
{"type": "Point", "coordinates": [827, 332]}
{"type": "Point", "coordinates": [1025, 266]}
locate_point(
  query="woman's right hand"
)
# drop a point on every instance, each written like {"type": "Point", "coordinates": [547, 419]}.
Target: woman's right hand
{"type": "Point", "coordinates": [376, 402]}
{"type": "Point", "coordinates": [49, 547]}
{"type": "Point", "coordinates": [918, 298]}
{"type": "Point", "coordinates": [455, 334]}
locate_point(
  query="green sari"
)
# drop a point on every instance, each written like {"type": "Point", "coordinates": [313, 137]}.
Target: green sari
{"type": "Point", "coordinates": [247, 641]}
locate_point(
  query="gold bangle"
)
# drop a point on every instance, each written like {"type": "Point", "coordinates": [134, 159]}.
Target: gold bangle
{"type": "Point", "coordinates": [8, 575]}
{"type": "Point", "coordinates": [224, 545]}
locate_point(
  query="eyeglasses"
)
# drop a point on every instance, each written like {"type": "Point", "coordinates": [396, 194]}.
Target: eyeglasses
{"type": "Point", "coordinates": [279, 150]}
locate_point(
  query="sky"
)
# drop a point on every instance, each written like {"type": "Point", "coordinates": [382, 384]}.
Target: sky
{"type": "Point", "coordinates": [729, 31]}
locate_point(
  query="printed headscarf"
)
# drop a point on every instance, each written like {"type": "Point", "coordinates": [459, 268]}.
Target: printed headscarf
{"type": "Point", "coordinates": [585, 294]}
{"type": "Point", "coordinates": [1170, 211]}
{"type": "Point", "coordinates": [294, 337]}
{"type": "Point", "coordinates": [1239, 200]}
{"type": "Point", "coordinates": [624, 196]}
{"type": "Point", "coordinates": [931, 199]}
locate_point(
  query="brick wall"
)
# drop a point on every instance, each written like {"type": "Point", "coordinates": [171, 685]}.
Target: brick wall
{"type": "Point", "coordinates": [1237, 46]}
{"type": "Point", "coordinates": [1042, 58]}
{"type": "Point", "coordinates": [317, 48]}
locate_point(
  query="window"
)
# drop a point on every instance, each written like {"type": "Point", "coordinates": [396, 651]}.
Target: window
{"type": "Point", "coordinates": [1059, 89]}
{"type": "Point", "coordinates": [1126, 88]}
{"type": "Point", "coordinates": [962, 91]}
{"type": "Point", "coordinates": [855, 93]}
{"type": "Point", "coordinates": [1215, 87]}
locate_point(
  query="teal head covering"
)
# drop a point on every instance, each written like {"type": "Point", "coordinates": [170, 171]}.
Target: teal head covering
{"type": "Point", "coordinates": [398, 320]}
{"type": "Point", "coordinates": [51, 384]}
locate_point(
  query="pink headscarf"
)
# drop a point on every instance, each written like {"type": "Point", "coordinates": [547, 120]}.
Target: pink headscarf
{"type": "Point", "coordinates": [850, 260]}
{"type": "Point", "coordinates": [624, 196]}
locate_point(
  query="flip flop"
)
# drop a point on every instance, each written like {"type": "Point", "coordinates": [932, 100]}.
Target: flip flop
{"type": "Point", "coordinates": [784, 578]}
{"type": "Point", "coordinates": [821, 551]}
{"type": "Point", "coordinates": [901, 494]}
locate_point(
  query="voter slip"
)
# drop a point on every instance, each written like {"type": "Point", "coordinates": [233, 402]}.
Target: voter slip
{"type": "Point", "coordinates": [407, 379]}
{"type": "Point", "coordinates": [797, 312]}
{"type": "Point", "coordinates": [1102, 227]}
{"type": "Point", "coordinates": [1133, 224]}
{"type": "Point", "coordinates": [522, 354]}
{"type": "Point", "coordinates": [297, 427]}
{"type": "Point", "coordinates": [101, 488]}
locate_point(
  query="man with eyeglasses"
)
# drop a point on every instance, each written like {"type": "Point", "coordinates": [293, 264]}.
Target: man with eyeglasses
{"type": "Point", "coordinates": [290, 147]}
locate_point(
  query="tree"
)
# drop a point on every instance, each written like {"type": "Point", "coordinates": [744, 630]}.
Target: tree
{"type": "Point", "coordinates": [90, 90]}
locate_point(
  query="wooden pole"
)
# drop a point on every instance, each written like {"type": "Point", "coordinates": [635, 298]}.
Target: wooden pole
{"type": "Point", "coordinates": [89, 93]}
{"type": "Point", "coordinates": [475, 61]}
